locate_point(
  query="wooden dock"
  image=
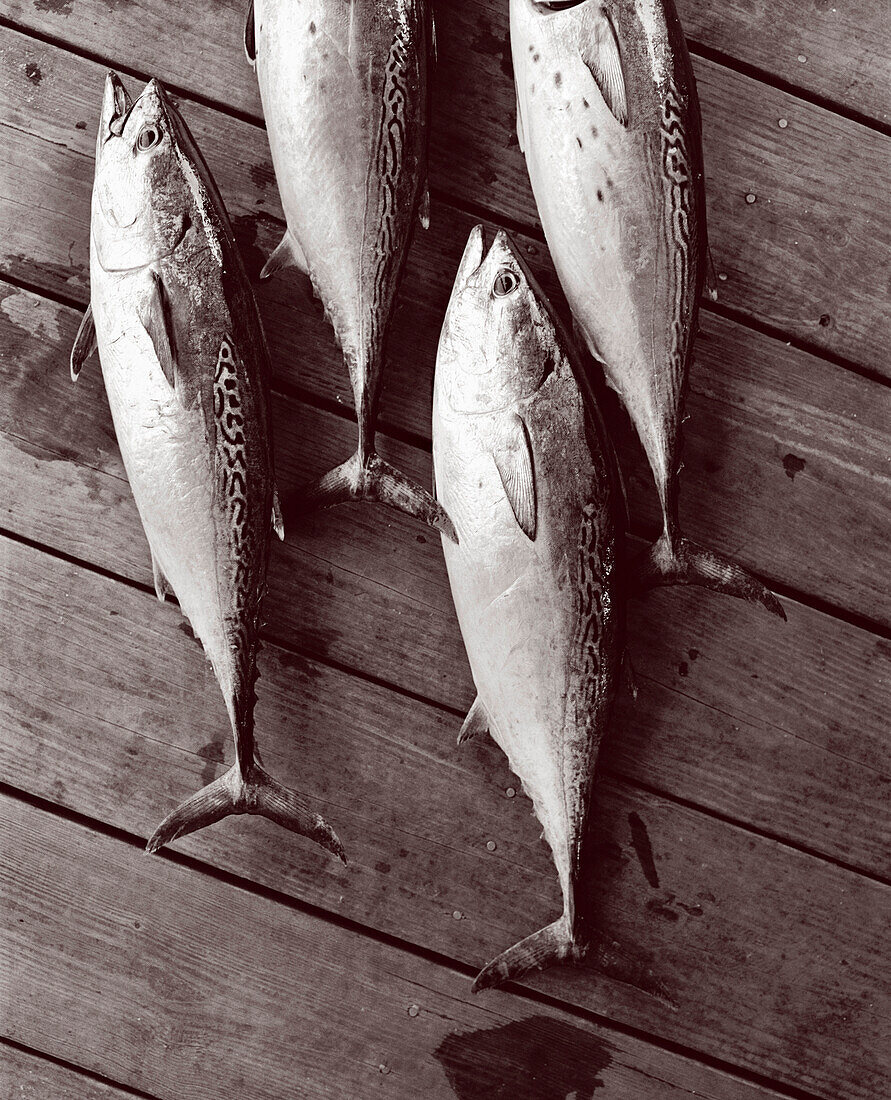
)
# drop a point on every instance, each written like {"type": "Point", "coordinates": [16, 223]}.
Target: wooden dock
{"type": "Point", "coordinates": [744, 801]}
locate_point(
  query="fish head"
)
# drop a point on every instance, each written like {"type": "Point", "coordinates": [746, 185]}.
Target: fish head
{"type": "Point", "coordinates": [141, 204]}
{"type": "Point", "coordinates": [498, 342]}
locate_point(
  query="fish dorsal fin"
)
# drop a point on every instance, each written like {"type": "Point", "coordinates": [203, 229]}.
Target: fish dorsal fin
{"type": "Point", "coordinates": [250, 36]}
{"type": "Point", "coordinates": [475, 724]}
{"type": "Point", "coordinates": [604, 61]}
{"type": "Point", "coordinates": [521, 136]}
{"type": "Point", "coordinates": [278, 523]}
{"type": "Point", "coordinates": [84, 343]}
{"type": "Point", "coordinates": [288, 253]}
{"type": "Point", "coordinates": [162, 584]}
{"type": "Point", "coordinates": [517, 473]}
{"type": "Point", "coordinates": [157, 320]}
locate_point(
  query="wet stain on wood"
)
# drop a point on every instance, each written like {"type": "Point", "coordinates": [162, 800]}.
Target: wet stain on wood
{"type": "Point", "coordinates": [640, 838]}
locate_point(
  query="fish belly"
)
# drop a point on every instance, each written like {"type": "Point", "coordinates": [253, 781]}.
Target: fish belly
{"type": "Point", "coordinates": [168, 466]}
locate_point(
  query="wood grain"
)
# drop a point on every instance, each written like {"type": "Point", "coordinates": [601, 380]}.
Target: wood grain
{"type": "Point", "coordinates": [109, 709]}
{"type": "Point", "coordinates": [809, 256]}
{"type": "Point", "coordinates": [26, 1076]}
{"type": "Point", "coordinates": [801, 704]}
{"type": "Point", "coordinates": [202, 982]}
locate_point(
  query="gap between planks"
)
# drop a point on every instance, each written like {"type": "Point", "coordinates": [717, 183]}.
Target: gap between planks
{"type": "Point", "coordinates": [513, 225]}
{"type": "Point", "coordinates": [369, 678]}
{"type": "Point", "coordinates": [436, 958]}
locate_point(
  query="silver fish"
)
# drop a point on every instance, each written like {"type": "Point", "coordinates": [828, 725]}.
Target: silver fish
{"type": "Point", "coordinates": [608, 118]}
{"type": "Point", "coordinates": [185, 367]}
{"type": "Point", "coordinates": [526, 471]}
{"type": "Point", "coordinates": [344, 92]}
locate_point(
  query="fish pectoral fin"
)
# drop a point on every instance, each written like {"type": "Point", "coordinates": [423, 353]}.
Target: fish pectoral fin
{"type": "Point", "coordinates": [84, 343]}
{"type": "Point", "coordinates": [163, 587]}
{"type": "Point", "coordinates": [156, 317]}
{"type": "Point", "coordinates": [278, 523]}
{"type": "Point", "coordinates": [424, 207]}
{"type": "Point", "coordinates": [248, 791]}
{"type": "Point", "coordinates": [517, 473]}
{"type": "Point", "coordinates": [475, 724]}
{"type": "Point", "coordinates": [250, 36]}
{"type": "Point", "coordinates": [603, 59]}
{"type": "Point", "coordinates": [521, 135]}
{"type": "Point", "coordinates": [288, 253]}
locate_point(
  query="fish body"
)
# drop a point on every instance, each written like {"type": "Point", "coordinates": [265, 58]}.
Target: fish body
{"type": "Point", "coordinates": [185, 368]}
{"type": "Point", "coordinates": [344, 92]}
{"type": "Point", "coordinates": [609, 121]}
{"type": "Point", "coordinates": [526, 472]}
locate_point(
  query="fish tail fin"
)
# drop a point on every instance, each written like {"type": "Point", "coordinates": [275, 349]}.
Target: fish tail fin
{"type": "Point", "coordinates": [555, 945]}
{"type": "Point", "coordinates": [254, 793]}
{"type": "Point", "coordinates": [678, 561]}
{"type": "Point", "coordinates": [373, 480]}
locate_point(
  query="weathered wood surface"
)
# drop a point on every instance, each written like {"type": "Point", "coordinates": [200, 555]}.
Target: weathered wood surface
{"type": "Point", "coordinates": [809, 256]}
{"type": "Point", "coordinates": [837, 53]}
{"type": "Point", "coordinates": [802, 704]}
{"type": "Point", "coordinates": [199, 981]}
{"type": "Point", "coordinates": [758, 408]}
{"type": "Point", "coordinates": [25, 1076]}
{"type": "Point", "coordinates": [762, 946]}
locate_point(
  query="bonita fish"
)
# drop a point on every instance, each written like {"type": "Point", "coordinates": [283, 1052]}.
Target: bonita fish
{"type": "Point", "coordinates": [608, 118]}
{"type": "Point", "coordinates": [344, 93]}
{"type": "Point", "coordinates": [524, 467]}
{"type": "Point", "coordinates": [185, 366]}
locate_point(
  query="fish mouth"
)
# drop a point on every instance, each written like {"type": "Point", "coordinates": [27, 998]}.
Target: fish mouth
{"type": "Point", "coordinates": [483, 250]}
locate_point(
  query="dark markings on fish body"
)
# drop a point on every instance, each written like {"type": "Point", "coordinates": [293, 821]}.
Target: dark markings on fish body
{"type": "Point", "coordinates": [579, 140]}
{"type": "Point", "coordinates": [793, 465]}
{"type": "Point", "coordinates": [312, 28]}
{"type": "Point", "coordinates": [593, 131]}
{"type": "Point", "coordinates": [599, 195]}
{"type": "Point", "coordinates": [609, 182]}
{"type": "Point", "coordinates": [640, 838]}
{"type": "Point", "coordinates": [825, 320]}
{"type": "Point", "coordinates": [536, 57]}
{"type": "Point", "coordinates": [586, 105]}
{"type": "Point", "coordinates": [676, 167]}
{"type": "Point", "coordinates": [80, 126]}
{"type": "Point", "coordinates": [558, 79]}
{"type": "Point", "coordinates": [33, 73]}
{"type": "Point", "coordinates": [692, 654]}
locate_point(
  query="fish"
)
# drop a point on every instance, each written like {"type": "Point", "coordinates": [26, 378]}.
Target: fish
{"type": "Point", "coordinates": [344, 94]}
{"type": "Point", "coordinates": [185, 367]}
{"type": "Point", "coordinates": [608, 119]}
{"type": "Point", "coordinates": [525, 468]}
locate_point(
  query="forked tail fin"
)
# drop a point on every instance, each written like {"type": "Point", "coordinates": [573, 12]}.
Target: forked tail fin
{"type": "Point", "coordinates": [679, 561]}
{"type": "Point", "coordinates": [373, 480]}
{"type": "Point", "coordinates": [553, 945]}
{"type": "Point", "coordinates": [254, 793]}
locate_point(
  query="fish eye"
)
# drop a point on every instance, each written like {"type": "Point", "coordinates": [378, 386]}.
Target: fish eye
{"type": "Point", "coordinates": [505, 283]}
{"type": "Point", "coordinates": [149, 136]}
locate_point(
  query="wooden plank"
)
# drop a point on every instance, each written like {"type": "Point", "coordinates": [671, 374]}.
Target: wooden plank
{"type": "Point", "coordinates": [802, 704]}
{"type": "Point", "coordinates": [759, 409]}
{"type": "Point", "coordinates": [836, 53]}
{"type": "Point", "coordinates": [107, 708]}
{"type": "Point", "coordinates": [27, 1076]}
{"type": "Point", "coordinates": [195, 988]}
{"type": "Point", "coordinates": [807, 256]}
